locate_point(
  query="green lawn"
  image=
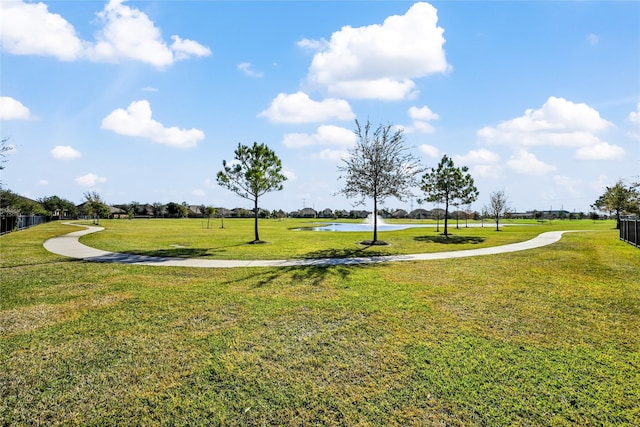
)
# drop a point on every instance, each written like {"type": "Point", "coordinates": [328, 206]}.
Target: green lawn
{"type": "Point", "coordinates": [544, 337]}
{"type": "Point", "coordinates": [288, 239]}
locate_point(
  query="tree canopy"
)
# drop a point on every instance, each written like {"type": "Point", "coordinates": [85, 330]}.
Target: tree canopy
{"type": "Point", "coordinates": [95, 206]}
{"type": "Point", "coordinates": [621, 199]}
{"type": "Point", "coordinates": [449, 184]}
{"type": "Point", "coordinates": [379, 166]}
{"type": "Point", "coordinates": [255, 171]}
{"type": "Point", "coordinates": [55, 205]}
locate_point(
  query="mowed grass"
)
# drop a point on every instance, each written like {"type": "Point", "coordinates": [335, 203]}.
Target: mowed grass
{"type": "Point", "coordinates": [544, 337]}
{"type": "Point", "coordinates": [290, 239]}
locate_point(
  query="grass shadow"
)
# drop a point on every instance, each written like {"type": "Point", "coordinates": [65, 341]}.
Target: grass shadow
{"type": "Point", "coordinates": [173, 253]}
{"type": "Point", "coordinates": [363, 251]}
{"type": "Point", "coordinates": [450, 240]}
{"type": "Point", "coordinates": [304, 275]}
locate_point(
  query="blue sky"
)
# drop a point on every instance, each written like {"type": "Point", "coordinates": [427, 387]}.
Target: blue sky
{"type": "Point", "coordinates": [142, 101]}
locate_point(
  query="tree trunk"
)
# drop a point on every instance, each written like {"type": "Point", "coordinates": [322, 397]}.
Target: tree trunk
{"type": "Point", "coordinates": [446, 216]}
{"type": "Point", "coordinates": [255, 224]}
{"type": "Point", "coordinates": [375, 220]}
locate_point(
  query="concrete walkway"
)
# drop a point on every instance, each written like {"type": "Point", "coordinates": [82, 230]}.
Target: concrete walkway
{"type": "Point", "coordinates": [69, 245]}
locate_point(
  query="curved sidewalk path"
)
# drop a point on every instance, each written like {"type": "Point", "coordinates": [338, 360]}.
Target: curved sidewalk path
{"type": "Point", "coordinates": [69, 245]}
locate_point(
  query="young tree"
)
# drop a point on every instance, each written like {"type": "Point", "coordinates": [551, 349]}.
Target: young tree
{"type": "Point", "coordinates": [256, 171]}
{"type": "Point", "coordinates": [498, 207]}
{"type": "Point", "coordinates": [209, 211]}
{"type": "Point", "coordinates": [96, 207]}
{"type": "Point", "coordinates": [449, 184]}
{"type": "Point", "coordinates": [379, 166]}
{"type": "Point", "coordinates": [620, 199]}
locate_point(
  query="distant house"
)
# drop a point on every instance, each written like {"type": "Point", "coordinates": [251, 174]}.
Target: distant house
{"type": "Point", "coordinates": [195, 211]}
{"type": "Point", "coordinates": [145, 210]}
{"type": "Point", "coordinates": [383, 213]}
{"type": "Point", "coordinates": [438, 213]}
{"type": "Point", "coordinates": [117, 213]}
{"type": "Point", "coordinates": [358, 214]}
{"type": "Point", "coordinates": [327, 213]}
{"type": "Point", "coordinates": [420, 214]}
{"type": "Point", "coordinates": [399, 214]}
{"type": "Point", "coordinates": [307, 213]}
{"type": "Point", "coordinates": [222, 212]}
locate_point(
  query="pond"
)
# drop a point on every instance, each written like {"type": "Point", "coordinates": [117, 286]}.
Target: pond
{"type": "Point", "coordinates": [345, 226]}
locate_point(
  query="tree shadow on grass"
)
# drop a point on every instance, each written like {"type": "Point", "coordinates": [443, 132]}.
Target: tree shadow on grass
{"type": "Point", "coordinates": [315, 275]}
{"type": "Point", "coordinates": [184, 252]}
{"type": "Point", "coordinates": [173, 253]}
{"type": "Point", "coordinates": [362, 251]}
{"type": "Point", "coordinates": [303, 275]}
{"type": "Point", "coordinates": [450, 240]}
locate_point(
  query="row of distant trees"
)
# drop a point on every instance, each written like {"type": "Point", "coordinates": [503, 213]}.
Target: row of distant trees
{"type": "Point", "coordinates": [378, 167]}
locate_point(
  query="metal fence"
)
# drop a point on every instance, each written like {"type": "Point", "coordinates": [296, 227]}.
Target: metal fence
{"type": "Point", "coordinates": [20, 222]}
{"type": "Point", "coordinates": [630, 231]}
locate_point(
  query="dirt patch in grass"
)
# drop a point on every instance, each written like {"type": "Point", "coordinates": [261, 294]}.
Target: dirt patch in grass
{"type": "Point", "coordinates": [30, 318]}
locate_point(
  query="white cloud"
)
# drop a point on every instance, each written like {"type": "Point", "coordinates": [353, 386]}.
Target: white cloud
{"type": "Point", "coordinates": [248, 70]}
{"type": "Point", "coordinates": [198, 193]}
{"type": "Point", "coordinates": [634, 116]}
{"type": "Point", "coordinates": [136, 120]}
{"type": "Point", "coordinates": [421, 118]}
{"type": "Point", "coordinates": [429, 151]}
{"type": "Point", "coordinates": [185, 48]}
{"type": "Point", "coordinates": [289, 174]}
{"type": "Point", "coordinates": [526, 163]}
{"type": "Point", "coordinates": [422, 113]}
{"type": "Point", "coordinates": [557, 117]}
{"type": "Point", "coordinates": [481, 162]}
{"type": "Point", "coordinates": [12, 109]}
{"type": "Point", "coordinates": [43, 182]}
{"type": "Point", "coordinates": [65, 152]}
{"type": "Point", "coordinates": [600, 151]}
{"type": "Point", "coordinates": [150, 89]}
{"type": "Point", "coordinates": [127, 33]}
{"type": "Point", "coordinates": [29, 29]}
{"type": "Point", "coordinates": [593, 39]}
{"type": "Point", "coordinates": [313, 44]}
{"type": "Point", "coordinates": [488, 171]}
{"type": "Point", "coordinates": [90, 180]}
{"type": "Point", "coordinates": [335, 156]}
{"type": "Point", "coordinates": [558, 123]}
{"type": "Point", "coordinates": [325, 135]}
{"type": "Point", "coordinates": [478, 157]}
{"type": "Point", "coordinates": [299, 108]}
{"type": "Point", "coordinates": [380, 61]}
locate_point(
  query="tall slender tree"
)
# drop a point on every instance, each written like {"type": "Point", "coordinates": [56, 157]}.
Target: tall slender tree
{"type": "Point", "coordinates": [255, 171]}
{"type": "Point", "coordinates": [498, 207]}
{"type": "Point", "coordinates": [379, 166]}
{"type": "Point", "coordinates": [449, 184]}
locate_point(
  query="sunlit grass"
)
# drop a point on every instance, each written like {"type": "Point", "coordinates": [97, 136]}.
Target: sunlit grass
{"type": "Point", "coordinates": [549, 336]}
{"type": "Point", "coordinates": [289, 239]}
